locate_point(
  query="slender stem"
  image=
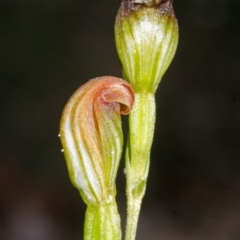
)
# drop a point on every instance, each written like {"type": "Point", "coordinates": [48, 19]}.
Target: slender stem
{"type": "Point", "coordinates": [102, 222]}
{"type": "Point", "coordinates": [141, 130]}
{"type": "Point", "coordinates": [134, 206]}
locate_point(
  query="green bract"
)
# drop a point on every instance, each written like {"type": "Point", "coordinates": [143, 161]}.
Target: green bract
{"type": "Point", "coordinates": [146, 35]}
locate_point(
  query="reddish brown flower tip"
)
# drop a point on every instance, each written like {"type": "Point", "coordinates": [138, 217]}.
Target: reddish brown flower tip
{"type": "Point", "coordinates": [91, 135]}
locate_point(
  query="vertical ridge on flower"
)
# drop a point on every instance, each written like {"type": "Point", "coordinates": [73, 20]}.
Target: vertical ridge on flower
{"type": "Point", "coordinates": [146, 35]}
{"type": "Point", "coordinates": [91, 136]}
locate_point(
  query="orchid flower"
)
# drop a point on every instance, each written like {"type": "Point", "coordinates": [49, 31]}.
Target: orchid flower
{"type": "Point", "coordinates": [146, 35]}
{"type": "Point", "coordinates": [91, 135]}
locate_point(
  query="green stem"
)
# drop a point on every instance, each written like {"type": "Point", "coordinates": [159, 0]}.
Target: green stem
{"type": "Point", "coordinates": [141, 130]}
{"type": "Point", "coordinates": [134, 206]}
{"type": "Point", "coordinates": [102, 222]}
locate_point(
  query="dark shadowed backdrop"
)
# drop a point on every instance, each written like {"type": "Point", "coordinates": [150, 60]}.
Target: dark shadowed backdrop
{"type": "Point", "coordinates": [48, 48]}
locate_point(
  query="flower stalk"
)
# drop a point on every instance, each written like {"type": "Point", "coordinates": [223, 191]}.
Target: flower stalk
{"type": "Point", "coordinates": [102, 222]}
{"type": "Point", "coordinates": [141, 130]}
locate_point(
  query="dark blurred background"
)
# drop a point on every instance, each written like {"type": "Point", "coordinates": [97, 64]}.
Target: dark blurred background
{"type": "Point", "coordinates": [49, 48]}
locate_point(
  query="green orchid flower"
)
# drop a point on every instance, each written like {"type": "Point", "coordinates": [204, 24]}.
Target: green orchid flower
{"type": "Point", "coordinates": [91, 135]}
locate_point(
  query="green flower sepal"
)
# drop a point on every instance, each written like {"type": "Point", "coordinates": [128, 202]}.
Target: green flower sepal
{"type": "Point", "coordinates": [91, 135]}
{"type": "Point", "coordinates": [146, 35]}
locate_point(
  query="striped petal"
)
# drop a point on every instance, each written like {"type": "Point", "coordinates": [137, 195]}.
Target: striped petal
{"type": "Point", "coordinates": [146, 35]}
{"type": "Point", "coordinates": [91, 136]}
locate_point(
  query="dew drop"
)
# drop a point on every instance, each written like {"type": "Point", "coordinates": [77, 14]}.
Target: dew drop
{"type": "Point", "coordinates": [59, 135]}
{"type": "Point", "coordinates": [110, 198]}
{"type": "Point", "coordinates": [62, 150]}
{"type": "Point", "coordinates": [111, 152]}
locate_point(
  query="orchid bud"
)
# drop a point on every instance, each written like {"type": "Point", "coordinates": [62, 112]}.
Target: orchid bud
{"type": "Point", "coordinates": [91, 135]}
{"type": "Point", "coordinates": [146, 35]}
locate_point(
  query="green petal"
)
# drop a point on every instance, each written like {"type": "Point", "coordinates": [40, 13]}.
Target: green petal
{"type": "Point", "coordinates": [146, 35]}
